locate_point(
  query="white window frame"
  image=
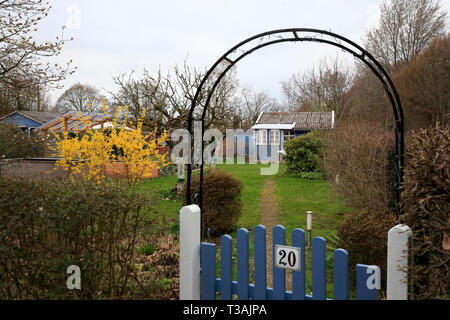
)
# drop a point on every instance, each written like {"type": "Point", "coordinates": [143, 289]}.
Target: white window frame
{"type": "Point", "coordinates": [287, 135]}
{"type": "Point", "coordinates": [262, 137]}
{"type": "Point", "coordinates": [274, 137]}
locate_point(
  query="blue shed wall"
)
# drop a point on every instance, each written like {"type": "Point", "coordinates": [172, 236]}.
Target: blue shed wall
{"type": "Point", "coordinates": [22, 121]}
{"type": "Point", "coordinates": [265, 156]}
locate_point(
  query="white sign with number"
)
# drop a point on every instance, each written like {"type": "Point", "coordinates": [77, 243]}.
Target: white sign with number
{"type": "Point", "coordinates": [287, 257]}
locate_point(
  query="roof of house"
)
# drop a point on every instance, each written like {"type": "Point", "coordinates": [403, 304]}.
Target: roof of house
{"type": "Point", "coordinates": [76, 121]}
{"type": "Point", "coordinates": [295, 120]}
{"type": "Point", "coordinates": [41, 117]}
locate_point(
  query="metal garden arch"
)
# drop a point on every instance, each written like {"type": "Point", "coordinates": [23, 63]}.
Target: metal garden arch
{"type": "Point", "coordinates": [250, 45]}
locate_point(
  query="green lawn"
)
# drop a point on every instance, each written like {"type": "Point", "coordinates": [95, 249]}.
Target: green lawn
{"type": "Point", "coordinates": [253, 183]}
{"type": "Point", "coordinates": [295, 197]}
{"type": "Point", "coordinates": [159, 190]}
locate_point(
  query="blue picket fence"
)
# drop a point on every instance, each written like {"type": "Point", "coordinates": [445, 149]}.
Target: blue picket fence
{"type": "Point", "coordinates": [227, 287]}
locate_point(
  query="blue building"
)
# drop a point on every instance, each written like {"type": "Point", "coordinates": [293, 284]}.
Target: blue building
{"type": "Point", "coordinates": [29, 121]}
{"type": "Point", "coordinates": [272, 129]}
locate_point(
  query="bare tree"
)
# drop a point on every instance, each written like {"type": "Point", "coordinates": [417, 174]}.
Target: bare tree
{"type": "Point", "coordinates": [405, 28]}
{"type": "Point", "coordinates": [253, 103]}
{"type": "Point", "coordinates": [168, 98]}
{"type": "Point", "coordinates": [139, 95]}
{"type": "Point", "coordinates": [21, 56]}
{"type": "Point", "coordinates": [34, 98]}
{"type": "Point", "coordinates": [424, 86]}
{"type": "Point", "coordinates": [79, 97]}
{"type": "Point", "coordinates": [323, 88]}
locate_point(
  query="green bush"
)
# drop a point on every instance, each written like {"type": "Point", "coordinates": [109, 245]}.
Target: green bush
{"type": "Point", "coordinates": [222, 204]}
{"type": "Point", "coordinates": [47, 226]}
{"type": "Point", "coordinates": [426, 201]}
{"type": "Point", "coordinates": [303, 154]}
{"type": "Point", "coordinates": [14, 143]}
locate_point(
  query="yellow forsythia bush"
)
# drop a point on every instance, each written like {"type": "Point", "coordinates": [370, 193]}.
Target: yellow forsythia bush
{"type": "Point", "coordinates": [90, 153]}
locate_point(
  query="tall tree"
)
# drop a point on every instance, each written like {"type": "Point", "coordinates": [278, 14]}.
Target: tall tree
{"type": "Point", "coordinates": [252, 104]}
{"type": "Point", "coordinates": [22, 57]}
{"type": "Point", "coordinates": [79, 97]}
{"type": "Point", "coordinates": [26, 70]}
{"type": "Point", "coordinates": [405, 28]}
{"type": "Point", "coordinates": [322, 88]}
{"type": "Point", "coordinates": [34, 98]}
{"type": "Point", "coordinates": [424, 86]}
{"type": "Point", "coordinates": [167, 99]}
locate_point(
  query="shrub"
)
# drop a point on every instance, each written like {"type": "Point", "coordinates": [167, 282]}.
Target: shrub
{"type": "Point", "coordinates": [14, 143]}
{"type": "Point", "coordinates": [303, 153]}
{"type": "Point", "coordinates": [222, 204]}
{"type": "Point", "coordinates": [426, 199]}
{"type": "Point", "coordinates": [47, 226]}
{"type": "Point", "coordinates": [360, 154]}
{"type": "Point", "coordinates": [364, 234]}
{"type": "Point", "coordinates": [136, 151]}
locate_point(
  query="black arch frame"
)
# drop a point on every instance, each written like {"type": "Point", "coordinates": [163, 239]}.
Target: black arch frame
{"type": "Point", "coordinates": [293, 35]}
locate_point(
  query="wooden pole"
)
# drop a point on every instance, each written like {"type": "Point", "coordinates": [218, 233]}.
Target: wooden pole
{"type": "Point", "coordinates": [45, 143]}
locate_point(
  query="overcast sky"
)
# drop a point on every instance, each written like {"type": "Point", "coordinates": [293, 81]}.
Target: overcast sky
{"type": "Point", "coordinates": [113, 37]}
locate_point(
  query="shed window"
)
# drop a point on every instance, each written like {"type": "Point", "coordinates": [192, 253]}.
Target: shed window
{"type": "Point", "coordinates": [274, 137]}
{"type": "Point", "coordinates": [288, 135]}
{"type": "Point", "coordinates": [262, 137]}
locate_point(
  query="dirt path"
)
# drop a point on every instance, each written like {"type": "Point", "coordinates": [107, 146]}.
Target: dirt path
{"type": "Point", "coordinates": [269, 217]}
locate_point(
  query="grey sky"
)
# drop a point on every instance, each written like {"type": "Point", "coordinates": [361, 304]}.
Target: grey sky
{"type": "Point", "coordinates": [113, 37]}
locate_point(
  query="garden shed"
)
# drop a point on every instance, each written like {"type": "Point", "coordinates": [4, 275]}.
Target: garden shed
{"type": "Point", "coordinates": [29, 121]}
{"type": "Point", "coordinates": [274, 128]}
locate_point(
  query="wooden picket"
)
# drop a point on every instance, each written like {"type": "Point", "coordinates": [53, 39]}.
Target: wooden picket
{"type": "Point", "coordinates": [210, 285]}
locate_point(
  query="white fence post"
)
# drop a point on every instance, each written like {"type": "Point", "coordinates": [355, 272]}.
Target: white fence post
{"type": "Point", "coordinates": [190, 253]}
{"type": "Point", "coordinates": [397, 262]}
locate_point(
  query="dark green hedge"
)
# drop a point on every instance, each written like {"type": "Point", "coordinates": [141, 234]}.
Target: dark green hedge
{"type": "Point", "coordinates": [303, 153]}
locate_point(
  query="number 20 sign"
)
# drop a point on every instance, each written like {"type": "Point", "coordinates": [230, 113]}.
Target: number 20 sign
{"type": "Point", "coordinates": [287, 257]}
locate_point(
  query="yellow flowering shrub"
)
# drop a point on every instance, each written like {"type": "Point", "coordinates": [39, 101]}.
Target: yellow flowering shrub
{"type": "Point", "coordinates": [91, 153]}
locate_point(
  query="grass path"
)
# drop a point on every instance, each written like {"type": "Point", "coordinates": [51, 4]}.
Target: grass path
{"type": "Point", "coordinates": [269, 217]}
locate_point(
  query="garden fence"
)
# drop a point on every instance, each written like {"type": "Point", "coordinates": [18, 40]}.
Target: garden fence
{"type": "Point", "coordinates": [198, 278]}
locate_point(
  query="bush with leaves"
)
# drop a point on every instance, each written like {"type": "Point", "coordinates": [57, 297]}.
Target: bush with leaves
{"type": "Point", "coordinates": [48, 225]}
{"type": "Point", "coordinates": [14, 143]}
{"type": "Point", "coordinates": [426, 200]}
{"type": "Point", "coordinates": [303, 153]}
{"type": "Point", "coordinates": [222, 204]}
